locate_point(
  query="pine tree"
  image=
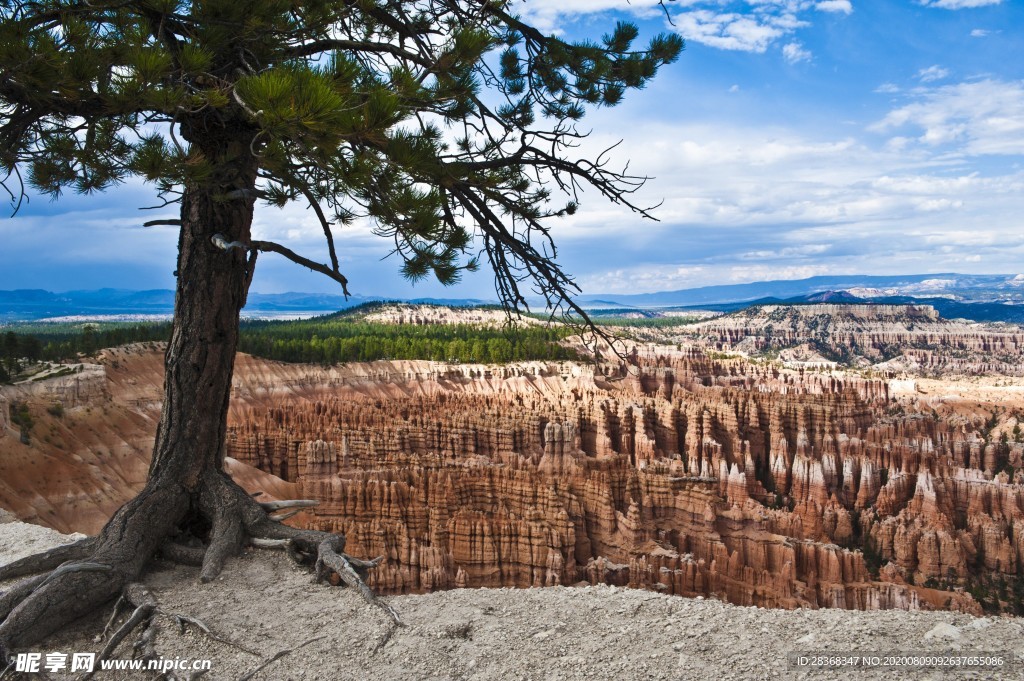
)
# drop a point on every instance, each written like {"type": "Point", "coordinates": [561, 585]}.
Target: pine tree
{"type": "Point", "coordinates": [450, 124]}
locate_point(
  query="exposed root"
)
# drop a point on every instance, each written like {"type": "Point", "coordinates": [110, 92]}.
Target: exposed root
{"type": "Point", "coordinates": [183, 555]}
{"type": "Point", "coordinates": [271, 506]}
{"type": "Point", "coordinates": [281, 517]}
{"type": "Point", "coordinates": [89, 573]}
{"type": "Point", "coordinates": [11, 598]}
{"type": "Point", "coordinates": [331, 557]}
{"type": "Point", "coordinates": [145, 607]}
{"type": "Point", "coordinates": [360, 564]}
{"type": "Point", "coordinates": [183, 620]}
{"type": "Point", "coordinates": [14, 595]}
{"type": "Point", "coordinates": [118, 606]}
{"type": "Point", "coordinates": [385, 638]}
{"type": "Point", "coordinates": [145, 648]}
{"type": "Point", "coordinates": [227, 536]}
{"type": "Point", "coordinates": [277, 656]}
{"type": "Point", "coordinates": [284, 545]}
{"type": "Point", "coordinates": [114, 559]}
{"type": "Point", "coordinates": [48, 560]}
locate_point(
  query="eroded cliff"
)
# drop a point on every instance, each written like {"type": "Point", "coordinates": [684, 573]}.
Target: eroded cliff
{"type": "Point", "coordinates": [684, 472]}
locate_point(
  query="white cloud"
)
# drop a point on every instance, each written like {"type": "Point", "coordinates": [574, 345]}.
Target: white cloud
{"type": "Point", "coordinates": [887, 89]}
{"type": "Point", "coordinates": [794, 52]}
{"type": "Point", "coordinates": [751, 26]}
{"type": "Point", "coordinates": [981, 117]}
{"type": "Point", "coordinates": [788, 252]}
{"type": "Point", "coordinates": [932, 73]}
{"type": "Point", "coordinates": [729, 31]}
{"type": "Point", "coordinates": [959, 4]}
{"type": "Point", "coordinates": [734, 88]}
{"type": "Point", "coordinates": [843, 6]}
{"type": "Point", "coordinates": [748, 273]}
{"type": "Point", "coordinates": [980, 33]}
{"type": "Point", "coordinates": [549, 15]}
{"type": "Point", "coordinates": [647, 277]}
{"type": "Point", "coordinates": [749, 203]}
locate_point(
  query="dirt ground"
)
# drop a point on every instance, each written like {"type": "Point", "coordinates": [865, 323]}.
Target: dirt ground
{"type": "Point", "coordinates": [265, 604]}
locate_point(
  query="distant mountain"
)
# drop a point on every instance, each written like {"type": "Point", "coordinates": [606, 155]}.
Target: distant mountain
{"type": "Point", "coordinates": [967, 288]}
{"type": "Point", "coordinates": [30, 304]}
{"type": "Point", "coordinates": [994, 297]}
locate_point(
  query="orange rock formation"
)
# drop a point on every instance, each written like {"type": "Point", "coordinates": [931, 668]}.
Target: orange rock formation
{"type": "Point", "coordinates": [684, 474]}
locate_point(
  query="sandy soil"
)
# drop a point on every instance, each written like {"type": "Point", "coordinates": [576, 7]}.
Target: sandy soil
{"type": "Point", "coordinates": [265, 604]}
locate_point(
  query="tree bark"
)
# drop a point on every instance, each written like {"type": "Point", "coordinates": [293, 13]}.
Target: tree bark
{"type": "Point", "coordinates": [186, 473]}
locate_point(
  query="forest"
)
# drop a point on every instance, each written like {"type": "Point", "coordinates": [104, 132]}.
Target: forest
{"type": "Point", "coordinates": [331, 339]}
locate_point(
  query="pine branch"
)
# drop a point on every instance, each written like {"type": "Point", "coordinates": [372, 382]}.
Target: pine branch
{"type": "Point", "coordinates": [272, 247]}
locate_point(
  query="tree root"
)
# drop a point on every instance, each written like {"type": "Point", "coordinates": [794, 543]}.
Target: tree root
{"type": "Point", "coordinates": [271, 506]}
{"type": "Point", "coordinates": [331, 557]}
{"type": "Point", "coordinates": [183, 555]}
{"type": "Point", "coordinates": [277, 656]}
{"type": "Point", "coordinates": [145, 607]}
{"type": "Point", "coordinates": [11, 598]}
{"type": "Point", "coordinates": [48, 560]}
{"type": "Point", "coordinates": [82, 576]}
{"type": "Point", "coordinates": [183, 620]}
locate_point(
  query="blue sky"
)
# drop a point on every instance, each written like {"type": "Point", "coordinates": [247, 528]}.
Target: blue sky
{"type": "Point", "coordinates": [792, 138]}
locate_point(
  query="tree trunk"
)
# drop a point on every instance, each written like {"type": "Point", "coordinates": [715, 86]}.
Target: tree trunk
{"type": "Point", "coordinates": [200, 358]}
{"type": "Point", "coordinates": [186, 474]}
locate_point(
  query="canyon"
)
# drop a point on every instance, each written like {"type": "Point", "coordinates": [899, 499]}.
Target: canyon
{"type": "Point", "coordinates": [685, 470]}
{"type": "Point", "coordinates": [884, 337]}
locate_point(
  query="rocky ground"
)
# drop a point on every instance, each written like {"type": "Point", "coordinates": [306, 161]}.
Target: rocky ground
{"type": "Point", "coordinates": [264, 604]}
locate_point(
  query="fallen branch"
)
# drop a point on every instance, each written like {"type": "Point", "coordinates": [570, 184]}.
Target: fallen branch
{"type": "Point", "coordinates": [277, 656]}
{"type": "Point", "coordinates": [182, 620]}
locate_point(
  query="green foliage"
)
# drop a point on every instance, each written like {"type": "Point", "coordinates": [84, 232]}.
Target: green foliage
{"type": "Point", "coordinates": [645, 322]}
{"type": "Point", "coordinates": [332, 340]}
{"type": "Point", "coordinates": [58, 342]}
{"type": "Point", "coordinates": [22, 417]}
{"type": "Point", "coordinates": [445, 123]}
{"type": "Point", "coordinates": [326, 340]}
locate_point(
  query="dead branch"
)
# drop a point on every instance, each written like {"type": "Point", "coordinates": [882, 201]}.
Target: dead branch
{"type": "Point", "coordinates": [329, 557]}
{"type": "Point", "coordinates": [272, 247]}
{"type": "Point", "coordinates": [277, 656]}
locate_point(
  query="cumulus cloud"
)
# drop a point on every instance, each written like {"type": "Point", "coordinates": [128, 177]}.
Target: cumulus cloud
{"type": "Point", "coordinates": [932, 73]}
{"type": "Point", "coordinates": [959, 4]}
{"type": "Point", "coordinates": [747, 204]}
{"type": "Point", "coordinates": [981, 117]}
{"type": "Point", "coordinates": [843, 6]}
{"type": "Point", "coordinates": [730, 31]}
{"type": "Point", "coordinates": [980, 33]}
{"type": "Point", "coordinates": [794, 52]}
{"type": "Point", "coordinates": [751, 26]}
